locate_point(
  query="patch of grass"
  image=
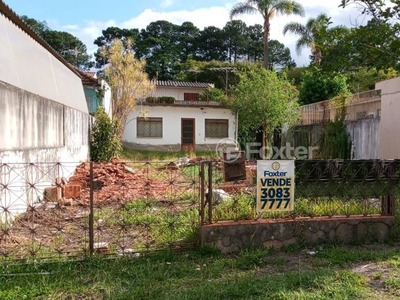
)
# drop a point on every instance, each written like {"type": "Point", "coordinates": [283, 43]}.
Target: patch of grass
{"type": "Point", "coordinates": [202, 274]}
{"type": "Point", "coordinates": [146, 155]}
{"type": "Point", "coordinates": [242, 207]}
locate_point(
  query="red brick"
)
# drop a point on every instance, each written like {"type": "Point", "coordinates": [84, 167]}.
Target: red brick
{"type": "Point", "coordinates": [72, 191]}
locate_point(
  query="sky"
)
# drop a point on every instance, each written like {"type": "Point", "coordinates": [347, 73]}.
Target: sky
{"type": "Point", "coordinates": [87, 18]}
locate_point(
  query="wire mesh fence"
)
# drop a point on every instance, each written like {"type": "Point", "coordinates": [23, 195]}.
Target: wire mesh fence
{"type": "Point", "coordinates": [65, 210]}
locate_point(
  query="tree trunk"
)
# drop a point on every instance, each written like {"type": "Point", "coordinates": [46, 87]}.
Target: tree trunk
{"type": "Point", "coordinates": [266, 41]}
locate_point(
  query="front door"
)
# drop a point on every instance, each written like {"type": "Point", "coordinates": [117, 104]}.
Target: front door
{"type": "Point", "coordinates": [187, 135]}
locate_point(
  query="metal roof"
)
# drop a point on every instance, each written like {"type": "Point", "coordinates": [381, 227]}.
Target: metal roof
{"type": "Point", "coordinates": [183, 84]}
{"type": "Point", "coordinates": [14, 18]}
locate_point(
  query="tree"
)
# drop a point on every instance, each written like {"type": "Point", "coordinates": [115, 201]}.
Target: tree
{"type": "Point", "coordinates": [128, 80]}
{"type": "Point", "coordinates": [68, 46]}
{"type": "Point", "coordinates": [378, 9]}
{"type": "Point", "coordinates": [211, 45]}
{"type": "Point", "coordinates": [364, 79]}
{"type": "Point", "coordinates": [39, 27]}
{"type": "Point", "coordinates": [279, 56]}
{"type": "Point", "coordinates": [267, 8]}
{"type": "Point", "coordinates": [254, 43]}
{"type": "Point", "coordinates": [71, 49]}
{"type": "Point", "coordinates": [160, 47]}
{"type": "Point", "coordinates": [234, 35]}
{"type": "Point", "coordinates": [309, 34]}
{"type": "Point", "coordinates": [108, 36]}
{"type": "Point", "coordinates": [187, 37]}
{"type": "Point", "coordinates": [263, 100]}
{"type": "Point", "coordinates": [319, 86]}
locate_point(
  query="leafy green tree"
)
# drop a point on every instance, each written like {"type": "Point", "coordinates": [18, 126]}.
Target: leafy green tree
{"type": "Point", "coordinates": [309, 34]}
{"type": "Point", "coordinates": [160, 47]}
{"type": "Point", "coordinates": [211, 44]}
{"type": "Point", "coordinates": [234, 34]}
{"type": "Point", "coordinates": [104, 142]}
{"type": "Point", "coordinates": [187, 37]}
{"type": "Point", "coordinates": [263, 100]}
{"type": "Point", "coordinates": [39, 26]}
{"type": "Point", "coordinates": [254, 43]}
{"type": "Point", "coordinates": [380, 10]}
{"type": "Point", "coordinates": [267, 8]}
{"type": "Point", "coordinates": [318, 86]}
{"type": "Point", "coordinates": [364, 79]}
{"type": "Point", "coordinates": [71, 48]}
{"type": "Point", "coordinates": [279, 56]}
{"type": "Point", "coordinates": [68, 46]}
{"type": "Point", "coordinates": [108, 36]}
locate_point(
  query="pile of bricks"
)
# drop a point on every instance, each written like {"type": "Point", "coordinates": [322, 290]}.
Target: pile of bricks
{"type": "Point", "coordinates": [115, 183]}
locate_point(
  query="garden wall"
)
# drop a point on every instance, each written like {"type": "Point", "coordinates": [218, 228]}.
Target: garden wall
{"type": "Point", "coordinates": [231, 236]}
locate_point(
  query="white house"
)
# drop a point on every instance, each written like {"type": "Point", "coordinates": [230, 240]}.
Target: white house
{"type": "Point", "coordinates": [185, 123]}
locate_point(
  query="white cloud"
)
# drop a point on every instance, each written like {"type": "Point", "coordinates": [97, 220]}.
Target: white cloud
{"type": "Point", "coordinates": [167, 3]}
{"type": "Point", "coordinates": [219, 15]}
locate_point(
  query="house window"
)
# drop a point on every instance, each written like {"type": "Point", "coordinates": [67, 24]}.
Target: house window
{"type": "Point", "coordinates": [149, 127]}
{"type": "Point", "coordinates": [216, 128]}
{"type": "Point", "coordinates": [191, 96]}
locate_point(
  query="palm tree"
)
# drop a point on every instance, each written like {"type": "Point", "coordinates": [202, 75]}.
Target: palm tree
{"type": "Point", "coordinates": [309, 34]}
{"type": "Point", "coordinates": [268, 9]}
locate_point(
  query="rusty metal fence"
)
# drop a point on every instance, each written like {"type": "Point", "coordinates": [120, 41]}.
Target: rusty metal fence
{"type": "Point", "coordinates": [66, 210]}
{"type": "Point", "coordinates": [323, 188]}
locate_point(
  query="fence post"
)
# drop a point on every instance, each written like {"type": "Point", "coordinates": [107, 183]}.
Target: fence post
{"type": "Point", "coordinates": [91, 213]}
{"type": "Point", "coordinates": [202, 192]}
{"type": "Point", "coordinates": [388, 205]}
{"type": "Point", "coordinates": [210, 192]}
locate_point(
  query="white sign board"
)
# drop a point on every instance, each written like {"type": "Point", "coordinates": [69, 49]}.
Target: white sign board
{"type": "Point", "coordinates": [275, 185]}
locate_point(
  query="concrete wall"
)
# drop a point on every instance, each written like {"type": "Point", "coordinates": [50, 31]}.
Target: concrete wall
{"type": "Point", "coordinates": [232, 236]}
{"type": "Point", "coordinates": [27, 65]}
{"type": "Point", "coordinates": [364, 134]}
{"type": "Point", "coordinates": [172, 126]}
{"type": "Point", "coordinates": [38, 131]}
{"type": "Point", "coordinates": [390, 121]}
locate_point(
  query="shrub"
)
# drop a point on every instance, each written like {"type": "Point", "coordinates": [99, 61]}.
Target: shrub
{"type": "Point", "coordinates": [151, 99]}
{"type": "Point", "coordinates": [104, 141]}
{"type": "Point", "coordinates": [214, 94]}
{"type": "Point", "coordinates": [169, 100]}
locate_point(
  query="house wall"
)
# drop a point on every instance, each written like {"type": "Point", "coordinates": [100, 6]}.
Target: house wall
{"type": "Point", "coordinates": [177, 93]}
{"type": "Point", "coordinates": [172, 115]}
{"type": "Point", "coordinates": [91, 99]}
{"type": "Point", "coordinates": [107, 98]}
{"type": "Point", "coordinates": [390, 122]}
{"type": "Point", "coordinates": [26, 64]}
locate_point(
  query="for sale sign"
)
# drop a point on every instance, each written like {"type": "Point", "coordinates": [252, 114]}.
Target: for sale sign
{"type": "Point", "coordinates": [275, 185]}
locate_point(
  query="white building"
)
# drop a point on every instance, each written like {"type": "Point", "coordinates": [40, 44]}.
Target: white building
{"type": "Point", "coordinates": [183, 123]}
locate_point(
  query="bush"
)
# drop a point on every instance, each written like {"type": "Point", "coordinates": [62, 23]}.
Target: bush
{"type": "Point", "coordinates": [169, 100]}
{"type": "Point", "coordinates": [104, 141]}
{"type": "Point", "coordinates": [151, 99]}
{"type": "Point", "coordinates": [214, 94]}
